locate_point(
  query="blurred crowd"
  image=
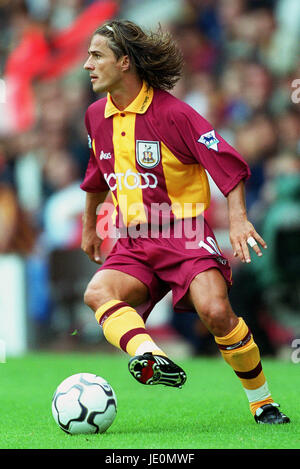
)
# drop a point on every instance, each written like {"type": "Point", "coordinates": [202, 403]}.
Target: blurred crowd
{"type": "Point", "coordinates": [242, 73]}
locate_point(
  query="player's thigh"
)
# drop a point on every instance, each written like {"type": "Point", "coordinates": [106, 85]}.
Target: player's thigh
{"type": "Point", "coordinates": [108, 284]}
{"type": "Point", "coordinates": [208, 293]}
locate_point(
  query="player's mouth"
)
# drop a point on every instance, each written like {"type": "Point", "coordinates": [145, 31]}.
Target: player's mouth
{"type": "Point", "coordinates": [93, 78]}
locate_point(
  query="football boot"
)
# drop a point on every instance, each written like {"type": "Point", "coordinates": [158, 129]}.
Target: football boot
{"type": "Point", "coordinates": [270, 414]}
{"type": "Point", "coordinates": [156, 369]}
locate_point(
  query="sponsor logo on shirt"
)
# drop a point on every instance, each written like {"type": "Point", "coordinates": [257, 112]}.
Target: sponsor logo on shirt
{"type": "Point", "coordinates": [147, 153]}
{"type": "Point", "coordinates": [131, 180]}
{"type": "Point", "coordinates": [104, 156]}
{"type": "Point", "coordinates": [210, 140]}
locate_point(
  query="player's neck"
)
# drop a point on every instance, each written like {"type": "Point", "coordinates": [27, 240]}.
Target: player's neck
{"type": "Point", "coordinates": [126, 92]}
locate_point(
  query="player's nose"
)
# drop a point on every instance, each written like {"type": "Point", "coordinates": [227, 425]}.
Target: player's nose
{"type": "Point", "coordinates": [88, 65]}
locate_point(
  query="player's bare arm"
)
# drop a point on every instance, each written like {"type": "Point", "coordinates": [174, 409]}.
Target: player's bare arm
{"type": "Point", "coordinates": [91, 243]}
{"type": "Point", "coordinates": [242, 233]}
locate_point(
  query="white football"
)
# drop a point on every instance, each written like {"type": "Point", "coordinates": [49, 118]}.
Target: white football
{"type": "Point", "coordinates": [84, 403]}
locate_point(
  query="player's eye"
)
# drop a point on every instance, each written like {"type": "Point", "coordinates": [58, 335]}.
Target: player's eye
{"type": "Point", "coordinates": [95, 55]}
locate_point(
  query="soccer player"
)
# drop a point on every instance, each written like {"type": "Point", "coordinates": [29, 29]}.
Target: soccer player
{"type": "Point", "coordinates": [152, 151]}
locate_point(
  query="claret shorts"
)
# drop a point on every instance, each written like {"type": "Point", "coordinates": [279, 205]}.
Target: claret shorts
{"type": "Point", "coordinates": [168, 258]}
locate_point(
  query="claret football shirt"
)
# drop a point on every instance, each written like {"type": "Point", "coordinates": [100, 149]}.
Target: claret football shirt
{"type": "Point", "coordinates": [152, 156]}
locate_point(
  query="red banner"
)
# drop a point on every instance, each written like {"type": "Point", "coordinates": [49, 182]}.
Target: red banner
{"type": "Point", "coordinates": [37, 58]}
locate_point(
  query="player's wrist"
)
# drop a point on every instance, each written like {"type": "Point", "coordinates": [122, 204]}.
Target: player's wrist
{"type": "Point", "coordinates": [89, 221]}
{"type": "Point", "coordinates": [237, 217]}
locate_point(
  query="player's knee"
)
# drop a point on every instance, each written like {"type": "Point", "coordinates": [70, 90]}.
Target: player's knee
{"type": "Point", "coordinates": [95, 295]}
{"type": "Point", "coordinates": [216, 313]}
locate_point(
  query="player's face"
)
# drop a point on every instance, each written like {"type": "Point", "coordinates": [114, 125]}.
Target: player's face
{"type": "Point", "coordinates": [104, 68]}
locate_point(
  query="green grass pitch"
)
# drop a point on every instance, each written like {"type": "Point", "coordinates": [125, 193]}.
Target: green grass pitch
{"type": "Point", "coordinates": [210, 411]}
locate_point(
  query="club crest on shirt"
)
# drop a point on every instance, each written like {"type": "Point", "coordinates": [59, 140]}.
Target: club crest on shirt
{"type": "Point", "coordinates": [147, 153]}
{"type": "Point", "coordinates": [210, 140]}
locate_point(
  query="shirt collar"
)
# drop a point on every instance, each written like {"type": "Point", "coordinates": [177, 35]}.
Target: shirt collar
{"type": "Point", "coordinates": [139, 105]}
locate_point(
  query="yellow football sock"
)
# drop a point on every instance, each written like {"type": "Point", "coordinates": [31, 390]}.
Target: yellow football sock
{"type": "Point", "coordinates": [124, 328]}
{"type": "Point", "coordinates": [241, 352]}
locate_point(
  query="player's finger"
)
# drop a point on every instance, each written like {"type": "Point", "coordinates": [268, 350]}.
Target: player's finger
{"type": "Point", "coordinates": [97, 253]}
{"type": "Point", "coordinates": [245, 250]}
{"type": "Point", "coordinates": [252, 242]}
{"type": "Point", "coordinates": [238, 251]}
{"type": "Point", "coordinates": [257, 250]}
{"type": "Point", "coordinates": [89, 251]}
{"type": "Point", "coordinates": [260, 240]}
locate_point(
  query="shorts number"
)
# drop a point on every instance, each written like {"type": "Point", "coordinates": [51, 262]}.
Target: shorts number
{"type": "Point", "coordinates": [212, 247]}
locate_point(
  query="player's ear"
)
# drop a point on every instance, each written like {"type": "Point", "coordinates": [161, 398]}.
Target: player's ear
{"type": "Point", "coordinates": [125, 63]}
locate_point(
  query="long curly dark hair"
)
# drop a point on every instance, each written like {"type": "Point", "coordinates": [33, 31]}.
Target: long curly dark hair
{"type": "Point", "coordinates": [155, 56]}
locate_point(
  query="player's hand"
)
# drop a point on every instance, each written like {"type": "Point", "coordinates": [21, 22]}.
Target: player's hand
{"type": "Point", "coordinates": [91, 245]}
{"type": "Point", "coordinates": [243, 238]}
